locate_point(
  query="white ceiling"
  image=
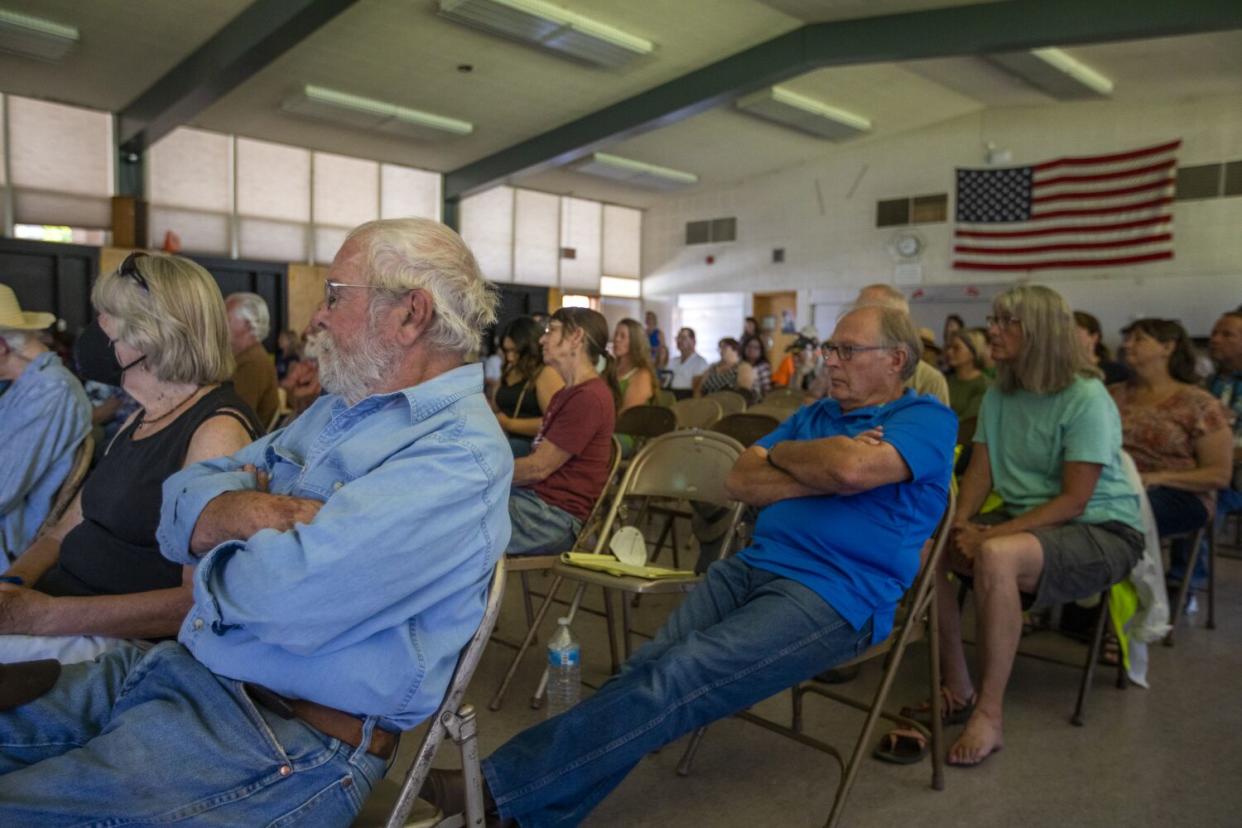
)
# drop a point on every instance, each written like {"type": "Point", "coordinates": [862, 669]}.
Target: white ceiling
{"type": "Point", "coordinates": [401, 51]}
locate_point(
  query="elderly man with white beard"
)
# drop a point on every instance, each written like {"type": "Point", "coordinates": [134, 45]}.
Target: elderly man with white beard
{"type": "Point", "coordinates": [340, 565]}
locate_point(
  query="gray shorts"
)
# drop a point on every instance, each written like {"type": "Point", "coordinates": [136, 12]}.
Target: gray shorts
{"type": "Point", "coordinates": [539, 528]}
{"type": "Point", "coordinates": [1080, 559]}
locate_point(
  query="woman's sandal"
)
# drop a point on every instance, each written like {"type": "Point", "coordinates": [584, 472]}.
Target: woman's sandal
{"type": "Point", "coordinates": [901, 746]}
{"type": "Point", "coordinates": [1110, 651]}
{"type": "Point", "coordinates": [952, 712]}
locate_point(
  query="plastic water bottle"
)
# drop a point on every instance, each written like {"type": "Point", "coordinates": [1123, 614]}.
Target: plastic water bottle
{"type": "Point", "coordinates": [564, 670]}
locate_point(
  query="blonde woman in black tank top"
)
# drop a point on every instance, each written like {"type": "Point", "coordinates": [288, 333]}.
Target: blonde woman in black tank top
{"type": "Point", "coordinates": [96, 577]}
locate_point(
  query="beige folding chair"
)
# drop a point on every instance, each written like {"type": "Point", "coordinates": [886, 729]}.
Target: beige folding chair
{"type": "Point", "coordinates": [780, 412]}
{"type": "Point", "coordinates": [698, 412]}
{"type": "Point", "coordinates": [915, 618]}
{"type": "Point", "coordinates": [746, 427]}
{"type": "Point", "coordinates": [682, 466]}
{"type": "Point", "coordinates": [645, 421]}
{"type": "Point", "coordinates": [1179, 605]}
{"type": "Point", "coordinates": [525, 564]}
{"type": "Point", "coordinates": [72, 483]}
{"type": "Point", "coordinates": [785, 397]}
{"type": "Point", "coordinates": [665, 397]}
{"type": "Point", "coordinates": [731, 402]}
{"type": "Point", "coordinates": [458, 722]}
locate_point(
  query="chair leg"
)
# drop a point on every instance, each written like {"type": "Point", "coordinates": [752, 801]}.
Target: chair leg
{"type": "Point", "coordinates": [1211, 619]}
{"type": "Point", "coordinates": [1093, 652]}
{"type": "Point", "coordinates": [626, 641]}
{"type": "Point", "coordinates": [692, 749]}
{"type": "Point", "coordinates": [937, 726]}
{"type": "Point", "coordinates": [464, 728]}
{"type": "Point", "coordinates": [536, 701]}
{"type": "Point", "coordinates": [613, 656]}
{"type": "Point", "coordinates": [1183, 591]}
{"type": "Point", "coordinates": [526, 602]}
{"type": "Point", "coordinates": [531, 633]}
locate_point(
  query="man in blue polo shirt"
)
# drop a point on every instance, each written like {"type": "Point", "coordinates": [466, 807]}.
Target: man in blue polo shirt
{"type": "Point", "coordinates": [850, 488]}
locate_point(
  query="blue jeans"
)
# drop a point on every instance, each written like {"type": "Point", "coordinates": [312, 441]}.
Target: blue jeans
{"type": "Point", "coordinates": [1177, 512]}
{"type": "Point", "coordinates": [741, 636]}
{"type": "Point", "coordinates": [136, 737]}
{"type": "Point", "coordinates": [539, 528]}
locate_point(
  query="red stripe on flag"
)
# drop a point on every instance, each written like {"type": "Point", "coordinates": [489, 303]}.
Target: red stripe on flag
{"type": "Point", "coordinates": [1109, 176]}
{"type": "Point", "coordinates": [1116, 191]}
{"type": "Point", "coordinates": [1045, 248]}
{"type": "Point", "coordinates": [1125, 260]}
{"type": "Point", "coordinates": [1084, 160]}
{"type": "Point", "coordinates": [1105, 211]}
{"type": "Point", "coordinates": [1063, 228]}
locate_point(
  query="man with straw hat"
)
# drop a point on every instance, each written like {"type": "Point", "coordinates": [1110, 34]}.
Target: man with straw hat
{"type": "Point", "coordinates": [44, 415]}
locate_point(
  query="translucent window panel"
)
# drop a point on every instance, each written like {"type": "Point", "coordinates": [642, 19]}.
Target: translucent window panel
{"type": "Point", "coordinates": [580, 229]}
{"type": "Point", "coordinates": [614, 286]}
{"type": "Point", "coordinates": [61, 148]}
{"type": "Point", "coordinates": [405, 191]}
{"type": "Point", "coordinates": [3, 149]}
{"type": "Point", "coordinates": [536, 238]}
{"type": "Point", "coordinates": [623, 241]}
{"type": "Point", "coordinates": [191, 168]}
{"type": "Point", "coordinates": [346, 190]}
{"type": "Point", "coordinates": [199, 232]}
{"type": "Point", "coordinates": [328, 240]}
{"type": "Point", "coordinates": [274, 241]}
{"type": "Point", "coordinates": [487, 228]}
{"type": "Point", "coordinates": [273, 181]}
{"type": "Point", "coordinates": [31, 207]}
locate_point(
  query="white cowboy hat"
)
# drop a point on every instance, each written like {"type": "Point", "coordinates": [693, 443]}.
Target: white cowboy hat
{"type": "Point", "coordinates": [14, 318]}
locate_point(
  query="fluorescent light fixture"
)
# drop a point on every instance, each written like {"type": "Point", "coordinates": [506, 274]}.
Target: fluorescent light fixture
{"type": "Point", "coordinates": [370, 114]}
{"type": "Point", "coordinates": [551, 27]}
{"type": "Point", "coordinates": [35, 37]}
{"type": "Point", "coordinates": [802, 113]}
{"type": "Point", "coordinates": [616, 286]}
{"type": "Point", "coordinates": [629, 171]}
{"type": "Point", "coordinates": [1053, 71]}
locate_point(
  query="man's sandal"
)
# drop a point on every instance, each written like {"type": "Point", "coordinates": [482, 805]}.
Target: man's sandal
{"type": "Point", "coordinates": [950, 713]}
{"type": "Point", "coordinates": [901, 746]}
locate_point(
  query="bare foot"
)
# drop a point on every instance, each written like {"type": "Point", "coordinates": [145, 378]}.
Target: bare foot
{"type": "Point", "coordinates": [981, 738]}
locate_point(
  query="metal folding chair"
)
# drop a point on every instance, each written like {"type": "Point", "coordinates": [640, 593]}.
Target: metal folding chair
{"type": "Point", "coordinates": [72, 483]}
{"type": "Point", "coordinates": [779, 411]}
{"type": "Point", "coordinates": [787, 397]}
{"type": "Point", "coordinates": [731, 402]}
{"type": "Point", "coordinates": [645, 421]}
{"type": "Point", "coordinates": [746, 427]}
{"type": "Point", "coordinates": [915, 618]}
{"type": "Point", "coordinates": [698, 412]}
{"type": "Point", "coordinates": [1196, 539]}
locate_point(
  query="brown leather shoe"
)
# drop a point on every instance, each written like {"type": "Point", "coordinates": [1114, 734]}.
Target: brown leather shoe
{"type": "Point", "coordinates": [446, 789]}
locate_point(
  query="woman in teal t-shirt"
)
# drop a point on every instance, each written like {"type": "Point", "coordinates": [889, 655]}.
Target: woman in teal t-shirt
{"type": "Point", "coordinates": [1049, 443]}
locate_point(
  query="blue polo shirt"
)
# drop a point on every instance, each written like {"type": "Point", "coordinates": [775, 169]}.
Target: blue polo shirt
{"type": "Point", "coordinates": [860, 552]}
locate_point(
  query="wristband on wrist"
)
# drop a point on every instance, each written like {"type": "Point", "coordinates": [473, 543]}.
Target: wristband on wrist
{"type": "Point", "coordinates": [15, 580]}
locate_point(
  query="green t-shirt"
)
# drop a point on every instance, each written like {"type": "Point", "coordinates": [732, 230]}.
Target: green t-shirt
{"type": "Point", "coordinates": [1031, 436]}
{"type": "Point", "coordinates": [965, 396]}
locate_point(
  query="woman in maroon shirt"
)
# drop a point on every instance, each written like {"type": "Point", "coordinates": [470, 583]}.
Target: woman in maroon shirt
{"type": "Point", "coordinates": [556, 485]}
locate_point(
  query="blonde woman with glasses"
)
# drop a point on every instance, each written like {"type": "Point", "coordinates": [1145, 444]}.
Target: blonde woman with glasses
{"type": "Point", "coordinates": [97, 576]}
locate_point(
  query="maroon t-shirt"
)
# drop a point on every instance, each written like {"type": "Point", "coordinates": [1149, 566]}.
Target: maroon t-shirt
{"type": "Point", "coordinates": [579, 420]}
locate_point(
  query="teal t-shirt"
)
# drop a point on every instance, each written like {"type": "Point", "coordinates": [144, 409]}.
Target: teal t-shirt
{"type": "Point", "coordinates": [1031, 436]}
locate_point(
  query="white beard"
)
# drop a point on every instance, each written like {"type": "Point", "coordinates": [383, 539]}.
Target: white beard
{"type": "Point", "coordinates": [354, 372]}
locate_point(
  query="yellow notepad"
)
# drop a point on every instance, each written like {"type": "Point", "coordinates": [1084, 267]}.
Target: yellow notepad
{"type": "Point", "coordinates": [609, 564]}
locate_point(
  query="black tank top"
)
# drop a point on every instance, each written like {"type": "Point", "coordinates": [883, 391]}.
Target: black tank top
{"type": "Point", "coordinates": [507, 397]}
{"type": "Point", "coordinates": [113, 550]}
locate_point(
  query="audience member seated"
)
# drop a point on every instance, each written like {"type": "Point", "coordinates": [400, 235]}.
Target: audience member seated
{"type": "Point", "coordinates": [952, 324]}
{"type": "Point", "coordinates": [932, 353]}
{"type": "Point", "coordinates": [731, 373]}
{"type": "Point", "coordinates": [332, 592]}
{"type": "Point", "coordinates": [1177, 433]}
{"type": "Point", "coordinates": [97, 577]}
{"type": "Point", "coordinates": [658, 348]}
{"type": "Point", "coordinates": [750, 328]}
{"type": "Point", "coordinates": [800, 365]}
{"type": "Point", "coordinates": [1091, 337]}
{"type": "Point", "coordinates": [636, 375]}
{"type": "Point", "coordinates": [44, 415]}
{"type": "Point", "coordinates": [526, 386]}
{"type": "Point", "coordinates": [557, 484]}
{"type": "Point", "coordinates": [837, 542]}
{"type": "Point", "coordinates": [687, 365]}
{"type": "Point", "coordinates": [753, 354]}
{"type": "Point", "coordinates": [1225, 348]}
{"type": "Point", "coordinates": [967, 383]}
{"type": "Point", "coordinates": [1049, 443]}
{"type": "Point", "coordinates": [926, 379]}
{"type": "Point", "coordinates": [288, 351]}
{"type": "Point", "coordinates": [301, 384]}
{"type": "Point", "coordinates": [254, 379]}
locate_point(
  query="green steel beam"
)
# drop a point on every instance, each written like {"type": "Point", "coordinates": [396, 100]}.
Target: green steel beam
{"type": "Point", "coordinates": [986, 28]}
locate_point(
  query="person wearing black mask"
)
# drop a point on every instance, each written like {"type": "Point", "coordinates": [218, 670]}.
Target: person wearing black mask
{"type": "Point", "coordinates": [96, 577]}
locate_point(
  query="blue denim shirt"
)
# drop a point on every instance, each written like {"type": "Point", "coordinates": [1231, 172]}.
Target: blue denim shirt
{"type": "Point", "coordinates": [366, 607]}
{"type": "Point", "coordinates": [43, 418]}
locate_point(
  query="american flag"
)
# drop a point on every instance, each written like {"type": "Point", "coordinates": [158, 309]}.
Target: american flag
{"type": "Point", "coordinates": [1090, 211]}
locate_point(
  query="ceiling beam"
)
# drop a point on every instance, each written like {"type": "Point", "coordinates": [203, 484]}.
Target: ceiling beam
{"type": "Point", "coordinates": [981, 29]}
{"type": "Point", "coordinates": [264, 31]}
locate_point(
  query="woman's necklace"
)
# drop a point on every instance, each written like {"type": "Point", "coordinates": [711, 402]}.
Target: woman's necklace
{"type": "Point", "coordinates": [169, 412]}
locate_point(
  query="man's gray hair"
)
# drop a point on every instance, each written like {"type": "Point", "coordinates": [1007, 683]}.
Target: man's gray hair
{"type": "Point", "coordinates": [252, 309]}
{"type": "Point", "coordinates": [898, 331]}
{"type": "Point", "coordinates": [884, 295]}
{"type": "Point", "coordinates": [419, 254]}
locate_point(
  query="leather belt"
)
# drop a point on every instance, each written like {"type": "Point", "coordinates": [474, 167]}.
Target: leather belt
{"type": "Point", "coordinates": [327, 720]}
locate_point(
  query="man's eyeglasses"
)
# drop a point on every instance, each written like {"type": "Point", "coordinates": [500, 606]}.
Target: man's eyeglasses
{"type": "Point", "coordinates": [846, 352]}
{"type": "Point", "coordinates": [129, 269]}
{"type": "Point", "coordinates": [1003, 321]}
{"type": "Point", "coordinates": [332, 291]}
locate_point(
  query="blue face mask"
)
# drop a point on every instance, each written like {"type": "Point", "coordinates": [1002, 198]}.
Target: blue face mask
{"type": "Point", "coordinates": [95, 355]}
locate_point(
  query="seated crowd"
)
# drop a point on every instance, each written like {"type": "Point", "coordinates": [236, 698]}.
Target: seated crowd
{"type": "Point", "coordinates": [235, 627]}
